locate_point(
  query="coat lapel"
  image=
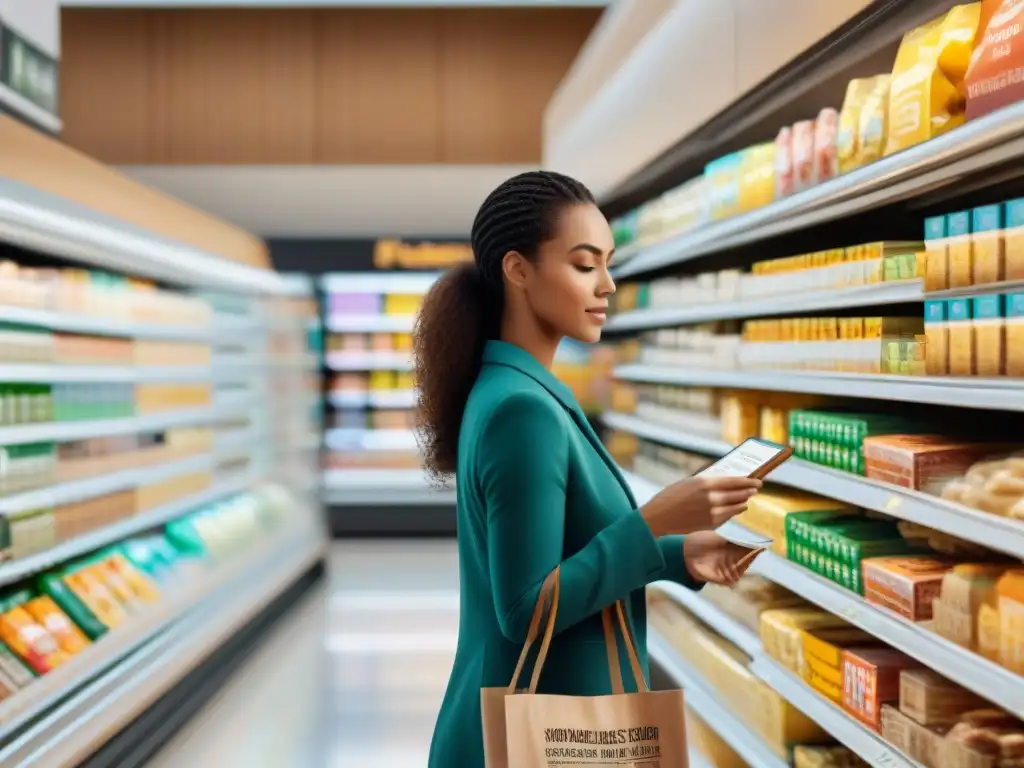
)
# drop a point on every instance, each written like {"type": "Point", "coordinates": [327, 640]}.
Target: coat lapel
{"type": "Point", "coordinates": [503, 353]}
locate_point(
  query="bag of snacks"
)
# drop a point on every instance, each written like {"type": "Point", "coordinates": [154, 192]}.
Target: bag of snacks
{"type": "Point", "coordinates": [848, 132]}
{"type": "Point", "coordinates": [826, 160]}
{"type": "Point", "coordinates": [925, 98]}
{"type": "Point", "coordinates": [874, 122]}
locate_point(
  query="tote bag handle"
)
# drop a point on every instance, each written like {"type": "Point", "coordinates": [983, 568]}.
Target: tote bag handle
{"type": "Point", "coordinates": [547, 602]}
{"type": "Point", "coordinates": [549, 589]}
{"type": "Point", "coordinates": [612, 648]}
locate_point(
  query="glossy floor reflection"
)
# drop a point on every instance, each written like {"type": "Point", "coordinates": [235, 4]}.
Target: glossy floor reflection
{"type": "Point", "coordinates": [354, 678]}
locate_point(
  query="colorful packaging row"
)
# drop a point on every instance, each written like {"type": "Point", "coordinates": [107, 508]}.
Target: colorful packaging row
{"type": "Point", "coordinates": [934, 85]}
{"type": "Point", "coordinates": [368, 342]}
{"type": "Point", "coordinates": [370, 304]}
{"type": "Point", "coordinates": [983, 336]}
{"type": "Point", "coordinates": [99, 294]}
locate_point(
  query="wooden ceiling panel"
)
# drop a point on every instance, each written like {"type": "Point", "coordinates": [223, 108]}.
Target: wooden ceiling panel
{"type": "Point", "coordinates": [377, 86]}
{"type": "Point", "coordinates": [300, 86]}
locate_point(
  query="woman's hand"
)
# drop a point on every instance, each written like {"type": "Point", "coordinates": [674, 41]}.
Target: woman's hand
{"type": "Point", "coordinates": [698, 504]}
{"type": "Point", "coordinates": [711, 558]}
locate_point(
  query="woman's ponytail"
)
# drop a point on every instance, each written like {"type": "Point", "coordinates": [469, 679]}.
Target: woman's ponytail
{"type": "Point", "coordinates": [463, 308]}
{"type": "Point", "coordinates": [459, 315]}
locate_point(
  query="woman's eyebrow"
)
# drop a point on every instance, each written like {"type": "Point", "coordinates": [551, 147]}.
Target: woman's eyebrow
{"type": "Point", "coordinates": [589, 248]}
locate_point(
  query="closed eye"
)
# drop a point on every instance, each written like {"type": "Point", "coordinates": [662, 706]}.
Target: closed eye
{"type": "Point", "coordinates": [581, 268]}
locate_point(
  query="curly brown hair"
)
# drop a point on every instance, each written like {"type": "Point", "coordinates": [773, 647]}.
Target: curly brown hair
{"type": "Point", "coordinates": [463, 309]}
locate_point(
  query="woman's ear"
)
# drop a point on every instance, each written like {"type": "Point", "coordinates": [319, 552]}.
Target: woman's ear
{"type": "Point", "coordinates": [514, 267]}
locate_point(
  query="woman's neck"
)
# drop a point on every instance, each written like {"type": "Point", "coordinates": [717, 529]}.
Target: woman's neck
{"type": "Point", "coordinates": [531, 337]}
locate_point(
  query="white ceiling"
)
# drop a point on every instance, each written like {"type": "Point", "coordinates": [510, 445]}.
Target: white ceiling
{"type": "Point", "coordinates": [334, 201]}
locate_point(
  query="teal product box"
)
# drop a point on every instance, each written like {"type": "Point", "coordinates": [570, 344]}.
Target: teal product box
{"type": "Point", "coordinates": [989, 336]}
{"type": "Point", "coordinates": [961, 338]}
{"type": "Point", "coordinates": [960, 249]}
{"type": "Point", "coordinates": [987, 244]}
{"type": "Point", "coordinates": [1013, 240]}
{"type": "Point", "coordinates": [935, 312]}
{"type": "Point", "coordinates": [934, 228]}
{"type": "Point", "coordinates": [936, 255]}
{"type": "Point", "coordinates": [1014, 312]}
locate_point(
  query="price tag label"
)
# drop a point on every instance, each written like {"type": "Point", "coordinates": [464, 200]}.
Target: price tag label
{"type": "Point", "coordinates": [886, 759]}
{"type": "Point", "coordinates": [893, 503]}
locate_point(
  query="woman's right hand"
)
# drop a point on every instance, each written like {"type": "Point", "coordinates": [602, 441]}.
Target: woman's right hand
{"type": "Point", "coordinates": [698, 504]}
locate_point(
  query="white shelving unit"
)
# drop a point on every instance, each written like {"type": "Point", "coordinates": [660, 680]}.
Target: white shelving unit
{"type": "Point", "coordinates": [832, 718]}
{"type": "Point", "coordinates": [839, 298]}
{"type": "Point", "coordinates": [383, 487]}
{"type": "Point", "coordinates": [994, 394]}
{"type": "Point", "coordinates": [259, 422]}
{"type": "Point", "coordinates": [701, 699]}
{"type": "Point", "coordinates": [999, 533]}
{"type": "Point", "coordinates": [943, 161]}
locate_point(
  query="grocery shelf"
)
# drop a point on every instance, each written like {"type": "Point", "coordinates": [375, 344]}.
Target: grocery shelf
{"type": "Point", "coordinates": [370, 439]}
{"type": "Point", "coordinates": [370, 323]}
{"type": "Point", "coordinates": [856, 737]}
{"type": "Point", "coordinates": [369, 361]}
{"type": "Point", "coordinates": [71, 322]}
{"type": "Point", "coordinates": [50, 224]}
{"type": "Point", "coordinates": [66, 431]}
{"type": "Point", "coordinates": [125, 672]}
{"type": "Point", "coordinates": [379, 398]}
{"type": "Point", "coordinates": [982, 144]}
{"type": "Point", "coordinates": [998, 685]}
{"type": "Point", "coordinates": [396, 282]}
{"type": "Point", "coordinates": [112, 482]}
{"type": "Point", "coordinates": [16, 570]}
{"type": "Point", "coordinates": [878, 294]}
{"type": "Point", "coordinates": [716, 714]}
{"type": "Point", "coordinates": [714, 617]}
{"type": "Point", "coordinates": [973, 672]}
{"type": "Point", "coordinates": [383, 487]}
{"type": "Point", "coordinates": [998, 533]}
{"type": "Point", "coordinates": [993, 394]}
{"type": "Point", "coordinates": [833, 719]}
{"type": "Point", "coordinates": [56, 372]}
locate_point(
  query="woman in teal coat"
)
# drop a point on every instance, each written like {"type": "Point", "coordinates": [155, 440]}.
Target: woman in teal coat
{"type": "Point", "coordinates": [536, 488]}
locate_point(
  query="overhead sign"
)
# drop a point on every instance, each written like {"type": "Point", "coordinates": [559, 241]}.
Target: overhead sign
{"type": "Point", "coordinates": [30, 74]}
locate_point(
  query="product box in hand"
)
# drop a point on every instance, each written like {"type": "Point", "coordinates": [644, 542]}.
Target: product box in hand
{"type": "Point", "coordinates": [905, 585]}
{"type": "Point", "coordinates": [871, 678]}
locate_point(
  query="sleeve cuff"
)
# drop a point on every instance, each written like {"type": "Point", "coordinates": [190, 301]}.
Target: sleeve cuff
{"type": "Point", "coordinates": [675, 563]}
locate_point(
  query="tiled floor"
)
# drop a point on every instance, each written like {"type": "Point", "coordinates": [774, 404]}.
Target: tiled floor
{"type": "Point", "coordinates": [354, 678]}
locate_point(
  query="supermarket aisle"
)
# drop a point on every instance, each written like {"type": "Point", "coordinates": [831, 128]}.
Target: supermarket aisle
{"type": "Point", "coordinates": [362, 667]}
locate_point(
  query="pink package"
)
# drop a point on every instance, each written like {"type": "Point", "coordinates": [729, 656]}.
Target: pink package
{"type": "Point", "coordinates": [826, 157]}
{"type": "Point", "coordinates": [784, 163]}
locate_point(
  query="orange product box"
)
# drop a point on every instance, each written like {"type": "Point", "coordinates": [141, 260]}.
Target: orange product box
{"type": "Point", "coordinates": [48, 615]}
{"type": "Point", "coordinates": [29, 640]}
{"type": "Point", "coordinates": [871, 678]}
{"type": "Point", "coordinates": [921, 462]}
{"type": "Point", "coordinates": [906, 585]}
{"type": "Point", "coordinates": [823, 657]}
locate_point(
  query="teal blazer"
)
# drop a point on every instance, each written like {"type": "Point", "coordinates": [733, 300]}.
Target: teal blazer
{"type": "Point", "coordinates": [536, 488]}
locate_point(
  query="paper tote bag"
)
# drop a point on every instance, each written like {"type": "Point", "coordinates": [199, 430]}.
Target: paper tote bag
{"type": "Point", "coordinates": [524, 729]}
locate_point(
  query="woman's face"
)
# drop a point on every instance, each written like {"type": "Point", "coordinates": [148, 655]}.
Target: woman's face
{"type": "Point", "coordinates": [569, 285]}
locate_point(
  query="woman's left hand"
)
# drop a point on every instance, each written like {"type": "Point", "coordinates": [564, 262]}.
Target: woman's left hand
{"type": "Point", "coordinates": [711, 558]}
